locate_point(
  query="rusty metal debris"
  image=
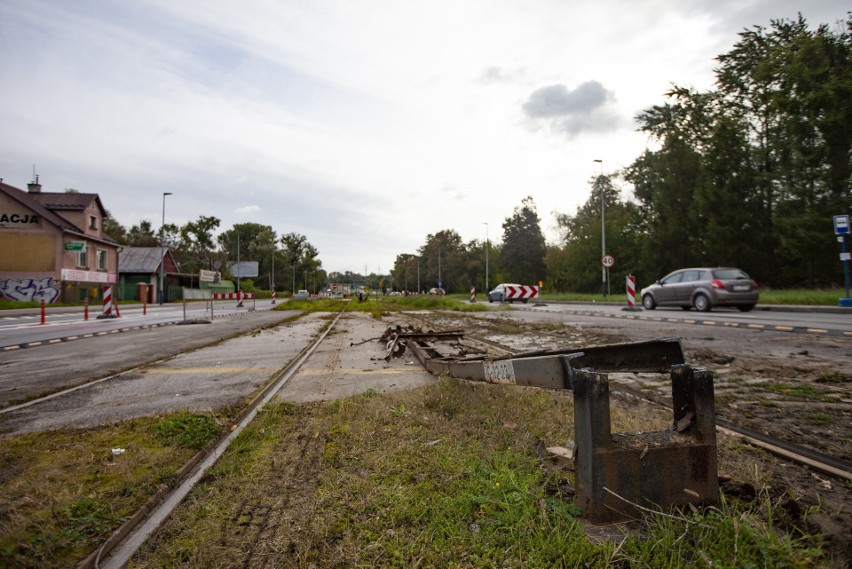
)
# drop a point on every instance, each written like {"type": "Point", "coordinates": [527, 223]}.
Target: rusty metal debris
{"type": "Point", "coordinates": [396, 339]}
{"type": "Point", "coordinates": [618, 475]}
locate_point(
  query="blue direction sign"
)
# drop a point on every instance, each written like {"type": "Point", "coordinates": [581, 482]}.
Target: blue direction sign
{"type": "Point", "coordinates": [841, 224]}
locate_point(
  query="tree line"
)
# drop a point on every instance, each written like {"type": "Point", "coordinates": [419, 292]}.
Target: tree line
{"type": "Point", "coordinates": [748, 174]}
{"type": "Point", "coordinates": [286, 262]}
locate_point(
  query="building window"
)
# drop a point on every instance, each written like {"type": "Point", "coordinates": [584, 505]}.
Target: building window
{"type": "Point", "coordinates": [102, 259]}
{"type": "Point", "coordinates": [93, 222]}
{"type": "Point", "coordinates": [83, 258]}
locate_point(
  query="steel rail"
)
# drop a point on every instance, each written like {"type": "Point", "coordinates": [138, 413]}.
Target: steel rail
{"type": "Point", "coordinates": [118, 549]}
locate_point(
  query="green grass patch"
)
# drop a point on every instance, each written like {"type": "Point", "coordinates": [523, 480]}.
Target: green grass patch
{"type": "Point", "coordinates": [820, 419]}
{"type": "Point", "coordinates": [799, 390]}
{"type": "Point", "coordinates": [382, 305]}
{"type": "Point", "coordinates": [187, 430]}
{"type": "Point", "coordinates": [834, 377]}
{"type": "Point", "coordinates": [63, 492]}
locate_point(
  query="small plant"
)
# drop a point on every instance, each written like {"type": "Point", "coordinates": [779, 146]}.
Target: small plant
{"type": "Point", "coordinates": [833, 377]}
{"type": "Point", "coordinates": [187, 430]}
{"type": "Point", "coordinates": [819, 419]}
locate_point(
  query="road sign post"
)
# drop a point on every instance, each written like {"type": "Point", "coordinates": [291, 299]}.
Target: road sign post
{"type": "Point", "coordinates": [841, 229]}
{"type": "Point", "coordinates": [607, 262]}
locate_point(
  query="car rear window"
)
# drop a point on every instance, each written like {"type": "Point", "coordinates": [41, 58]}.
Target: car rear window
{"type": "Point", "coordinates": [729, 274]}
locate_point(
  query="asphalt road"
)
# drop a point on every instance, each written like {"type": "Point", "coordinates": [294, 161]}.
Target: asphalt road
{"type": "Point", "coordinates": [24, 328]}
{"type": "Point", "coordinates": [29, 372]}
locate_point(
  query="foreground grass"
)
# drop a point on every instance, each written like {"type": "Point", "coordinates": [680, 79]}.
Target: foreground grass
{"type": "Point", "coordinates": [62, 493]}
{"type": "Point", "coordinates": [449, 475]}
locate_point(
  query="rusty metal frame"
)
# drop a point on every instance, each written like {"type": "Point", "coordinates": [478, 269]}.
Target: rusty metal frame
{"type": "Point", "coordinates": [547, 368]}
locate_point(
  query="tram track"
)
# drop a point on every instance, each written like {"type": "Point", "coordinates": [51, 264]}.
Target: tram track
{"type": "Point", "coordinates": [118, 549]}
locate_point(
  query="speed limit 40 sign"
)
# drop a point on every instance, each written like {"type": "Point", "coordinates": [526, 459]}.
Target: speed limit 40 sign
{"type": "Point", "coordinates": [608, 261]}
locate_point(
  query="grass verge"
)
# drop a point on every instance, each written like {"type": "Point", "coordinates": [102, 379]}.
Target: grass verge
{"type": "Point", "coordinates": [380, 306]}
{"type": "Point", "coordinates": [63, 492]}
{"type": "Point", "coordinates": [448, 475]}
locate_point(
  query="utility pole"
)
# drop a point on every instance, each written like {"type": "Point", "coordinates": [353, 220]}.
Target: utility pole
{"type": "Point", "coordinates": [162, 249]}
{"type": "Point", "coordinates": [603, 228]}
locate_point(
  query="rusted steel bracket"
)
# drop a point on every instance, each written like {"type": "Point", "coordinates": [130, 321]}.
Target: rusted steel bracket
{"type": "Point", "coordinates": [623, 474]}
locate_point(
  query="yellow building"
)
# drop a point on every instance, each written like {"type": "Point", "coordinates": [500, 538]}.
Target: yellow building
{"type": "Point", "coordinates": [52, 245]}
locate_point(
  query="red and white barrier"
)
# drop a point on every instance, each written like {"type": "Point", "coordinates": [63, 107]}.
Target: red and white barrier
{"type": "Point", "coordinates": [631, 295]}
{"type": "Point", "coordinates": [473, 294]}
{"type": "Point", "coordinates": [233, 295]}
{"type": "Point", "coordinates": [107, 307]}
{"type": "Point", "coordinates": [520, 292]}
{"type": "Point", "coordinates": [631, 291]}
{"type": "Point", "coordinates": [273, 297]}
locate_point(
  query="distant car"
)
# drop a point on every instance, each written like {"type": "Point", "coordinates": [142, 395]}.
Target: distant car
{"type": "Point", "coordinates": [301, 295]}
{"type": "Point", "coordinates": [499, 294]}
{"type": "Point", "coordinates": [703, 288]}
{"type": "Point", "coordinates": [437, 291]}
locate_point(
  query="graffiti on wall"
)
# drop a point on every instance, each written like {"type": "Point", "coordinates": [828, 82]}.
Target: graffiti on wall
{"type": "Point", "coordinates": [28, 290]}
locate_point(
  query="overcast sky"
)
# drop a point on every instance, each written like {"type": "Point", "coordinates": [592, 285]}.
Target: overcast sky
{"type": "Point", "coordinates": [364, 125]}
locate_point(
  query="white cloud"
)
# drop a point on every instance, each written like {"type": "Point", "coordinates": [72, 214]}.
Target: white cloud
{"type": "Point", "coordinates": [247, 210]}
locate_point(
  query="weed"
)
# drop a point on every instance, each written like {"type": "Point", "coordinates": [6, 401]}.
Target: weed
{"type": "Point", "coordinates": [801, 390]}
{"type": "Point", "coordinates": [820, 419]}
{"type": "Point", "coordinates": [833, 377]}
{"type": "Point", "coordinates": [187, 430]}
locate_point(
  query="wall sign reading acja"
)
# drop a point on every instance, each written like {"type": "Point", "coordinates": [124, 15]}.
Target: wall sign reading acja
{"type": "Point", "coordinates": [7, 219]}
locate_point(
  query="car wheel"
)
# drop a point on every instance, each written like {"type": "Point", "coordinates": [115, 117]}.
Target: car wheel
{"type": "Point", "coordinates": [701, 303]}
{"type": "Point", "coordinates": [490, 299]}
{"type": "Point", "coordinates": [648, 302]}
{"type": "Point", "coordinates": [745, 307]}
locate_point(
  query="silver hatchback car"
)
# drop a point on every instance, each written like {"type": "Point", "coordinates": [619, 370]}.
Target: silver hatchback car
{"type": "Point", "coordinates": [703, 288]}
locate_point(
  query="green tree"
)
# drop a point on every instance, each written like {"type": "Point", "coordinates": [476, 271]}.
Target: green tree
{"type": "Point", "coordinates": [442, 258]}
{"type": "Point", "coordinates": [303, 262]}
{"type": "Point", "coordinates": [196, 246]}
{"type": "Point", "coordinates": [114, 229]}
{"type": "Point", "coordinates": [523, 249]}
{"type": "Point", "coordinates": [577, 266]}
{"type": "Point", "coordinates": [142, 235]}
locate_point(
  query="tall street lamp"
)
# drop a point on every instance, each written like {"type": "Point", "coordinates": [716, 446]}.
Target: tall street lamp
{"type": "Point", "coordinates": [487, 247]}
{"type": "Point", "coordinates": [162, 249]}
{"type": "Point", "coordinates": [603, 228]}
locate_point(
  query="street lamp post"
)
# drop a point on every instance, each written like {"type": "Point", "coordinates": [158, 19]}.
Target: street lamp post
{"type": "Point", "coordinates": [163, 250]}
{"type": "Point", "coordinates": [603, 228]}
{"type": "Point", "coordinates": [487, 247]}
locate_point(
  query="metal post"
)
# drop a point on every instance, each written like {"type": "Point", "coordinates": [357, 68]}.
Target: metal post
{"type": "Point", "coordinates": [842, 240]}
{"type": "Point", "coordinates": [163, 250]}
{"type": "Point", "coordinates": [603, 230]}
{"type": "Point", "coordinates": [239, 287]}
{"type": "Point", "coordinates": [486, 256]}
